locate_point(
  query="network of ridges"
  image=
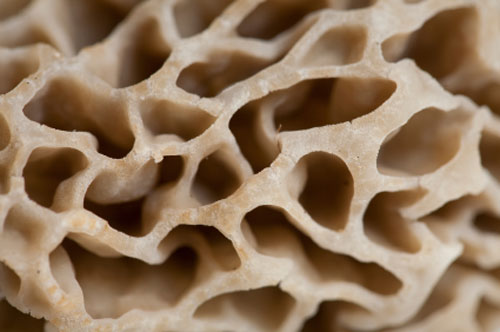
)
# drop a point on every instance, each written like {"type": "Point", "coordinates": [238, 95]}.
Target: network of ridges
{"type": "Point", "coordinates": [249, 165]}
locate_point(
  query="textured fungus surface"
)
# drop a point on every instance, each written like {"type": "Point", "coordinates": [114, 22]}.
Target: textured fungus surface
{"type": "Point", "coordinates": [249, 165]}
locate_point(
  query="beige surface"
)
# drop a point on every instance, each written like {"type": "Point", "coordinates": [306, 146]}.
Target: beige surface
{"type": "Point", "coordinates": [216, 165]}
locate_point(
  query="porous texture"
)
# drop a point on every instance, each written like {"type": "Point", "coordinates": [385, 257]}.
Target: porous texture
{"type": "Point", "coordinates": [279, 165]}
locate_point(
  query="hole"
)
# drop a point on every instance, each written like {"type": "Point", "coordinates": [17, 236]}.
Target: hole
{"type": "Point", "coordinates": [22, 233]}
{"type": "Point", "coordinates": [12, 320]}
{"type": "Point", "coordinates": [163, 195]}
{"type": "Point", "coordinates": [122, 184]}
{"type": "Point", "coordinates": [328, 190]}
{"type": "Point", "coordinates": [323, 102]}
{"type": "Point", "coordinates": [47, 168]}
{"type": "Point", "coordinates": [10, 8]}
{"type": "Point", "coordinates": [144, 54]}
{"type": "Point", "coordinates": [384, 224]}
{"type": "Point", "coordinates": [326, 317]}
{"type": "Point", "coordinates": [10, 281]}
{"type": "Point", "coordinates": [482, 93]}
{"type": "Point", "coordinates": [194, 16]}
{"type": "Point", "coordinates": [369, 275]}
{"type": "Point", "coordinates": [487, 222]}
{"type": "Point", "coordinates": [337, 47]}
{"type": "Point", "coordinates": [171, 169]}
{"type": "Point", "coordinates": [440, 297]}
{"type": "Point", "coordinates": [133, 206]}
{"type": "Point", "coordinates": [449, 216]}
{"type": "Point", "coordinates": [208, 79]}
{"type": "Point", "coordinates": [69, 105]}
{"type": "Point", "coordinates": [353, 4]}
{"type": "Point", "coordinates": [215, 179]}
{"type": "Point", "coordinates": [429, 140]}
{"type": "Point", "coordinates": [441, 45]}
{"type": "Point", "coordinates": [124, 217]}
{"type": "Point", "coordinates": [4, 179]}
{"type": "Point", "coordinates": [488, 315]}
{"type": "Point", "coordinates": [247, 126]}
{"type": "Point", "coordinates": [15, 65]}
{"type": "Point", "coordinates": [272, 234]}
{"type": "Point", "coordinates": [273, 17]}
{"type": "Point", "coordinates": [453, 209]}
{"type": "Point", "coordinates": [124, 6]}
{"type": "Point", "coordinates": [4, 133]}
{"type": "Point", "coordinates": [168, 117]}
{"type": "Point", "coordinates": [221, 247]}
{"type": "Point", "coordinates": [495, 273]}
{"type": "Point", "coordinates": [306, 105]}
{"type": "Point", "coordinates": [91, 21]}
{"type": "Point", "coordinates": [264, 308]}
{"type": "Point", "coordinates": [113, 286]}
{"type": "Point", "coordinates": [490, 158]}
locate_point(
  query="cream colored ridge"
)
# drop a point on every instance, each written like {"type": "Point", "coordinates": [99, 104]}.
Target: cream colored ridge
{"type": "Point", "coordinates": [249, 165]}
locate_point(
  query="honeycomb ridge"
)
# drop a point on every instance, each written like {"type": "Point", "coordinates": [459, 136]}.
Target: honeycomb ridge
{"type": "Point", "coordinates": [250, 165]}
